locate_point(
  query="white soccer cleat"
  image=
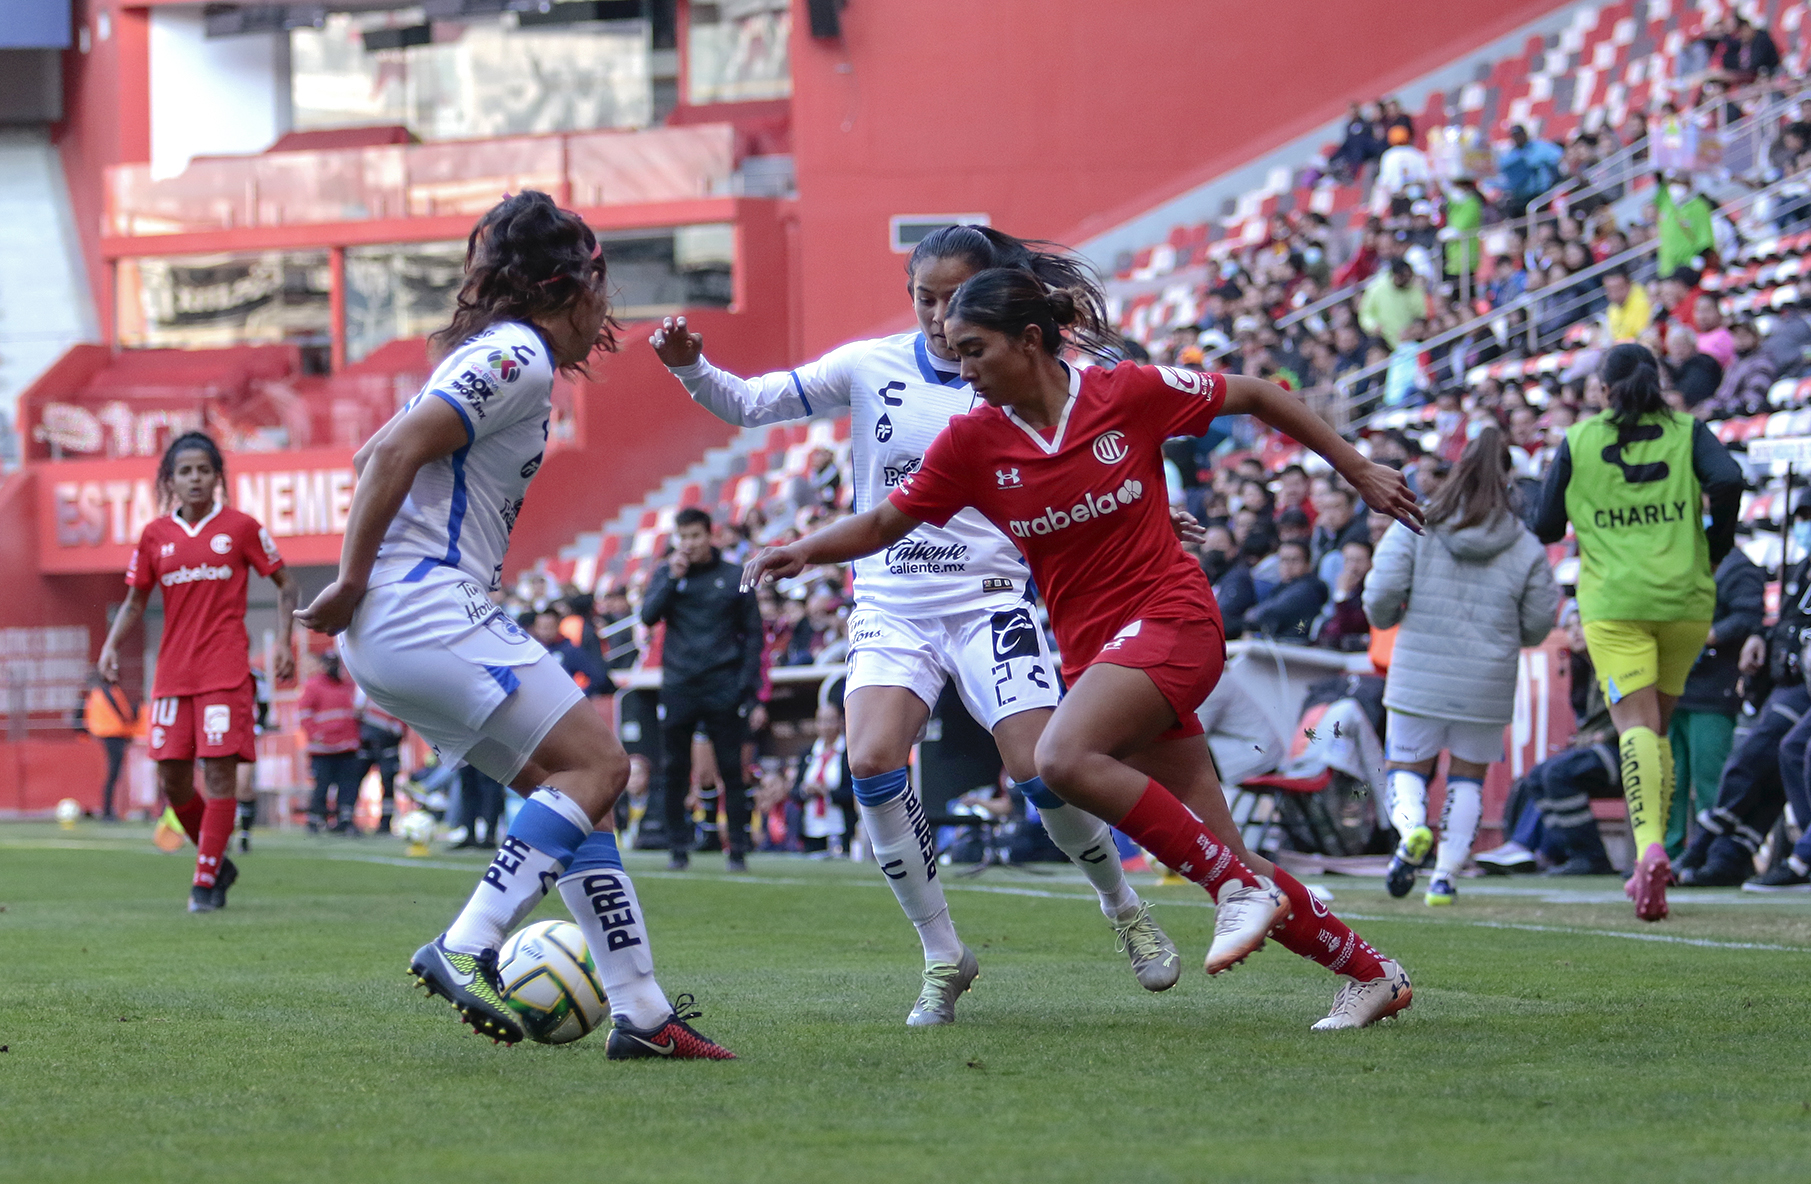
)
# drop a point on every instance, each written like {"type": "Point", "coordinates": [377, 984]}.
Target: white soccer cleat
{"type": "Point", "coordinates": [1243, 918]}
{"type": "Point", "coordinates": [1359, 1005]}
{"type": "Point", "coordinates": [1155, 962]}
{"type": "Point", "coordinates": [943, 983]}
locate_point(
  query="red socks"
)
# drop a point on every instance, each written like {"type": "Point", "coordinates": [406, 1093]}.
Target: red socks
{"type": "Point", "coordinates": [1165, 827]}
{"type": "Point", "coordinates": [217, 819]}
{"type": "Point", "coordinates": [189, 815]}
{"type": "Point", "coordinates": [1316, 934]}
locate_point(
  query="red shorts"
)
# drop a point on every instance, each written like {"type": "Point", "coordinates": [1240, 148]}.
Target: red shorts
{"type": "Point", "coordinates": [1184, 659]}
{"type": "Point", "coordinates": [211, 724]}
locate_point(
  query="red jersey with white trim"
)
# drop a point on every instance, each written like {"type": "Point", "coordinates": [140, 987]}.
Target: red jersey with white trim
{"type": "Point", "coordinates": [1086, 502]}
{"type": "Point", "coordinates": [202, 571]}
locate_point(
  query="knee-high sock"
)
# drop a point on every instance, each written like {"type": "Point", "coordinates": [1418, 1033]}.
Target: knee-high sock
{"type": "Point", "coordinates": [1317, 935]}
{"type": "Point", "coordinates": [603, 902]}
{"type": "Point", "coordinates": [1408, 800]}
{"type": "Point", "coordinates": [1644, 786]}
{"type": "Point", "coordinates": [188, 816]}
{"type": "Point", "coordinates": [1458, 824]}
{"type": "Point", "coordinates": [548, 830]}
{"type": "Point", "coordinates": [1167, 829]}
{"type": "Point", "coordinates": [216, 829]}
{"type": "Point", "coordinates": [901, 838]}
{"type": "Point", "coordinates": [1088, 842]}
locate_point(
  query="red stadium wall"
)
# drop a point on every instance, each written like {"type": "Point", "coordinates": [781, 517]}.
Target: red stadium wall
{"type": "Point", "coordinates": [1061, 118]}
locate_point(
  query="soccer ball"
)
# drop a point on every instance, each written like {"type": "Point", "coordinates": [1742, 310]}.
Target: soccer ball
{"type": "Point", "coordinates": [550, 982]}
{"type": "Point", "coordinates": [69, 812]}
{"type": "Point", "coordinates": [417, 827]}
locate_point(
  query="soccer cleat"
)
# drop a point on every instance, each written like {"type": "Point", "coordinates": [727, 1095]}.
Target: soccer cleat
{"type": "Point", "coordinates": [1243, 918]}
{"type": "Point", "coordinates": [226, 878]}
{"type": "Point", "coordinates": [678, 861]}
{"type": "Point", "coordinates": [201, 900]}
{"type": "Point", "coordinates": [1409, 853]}
{"type": "Point", "coordinates": [1727, 865]}
{"type": "Point", "coordinates": [942, 984]}
{"type": "Point", "coordinates": [1440, 891]}
{"type": "Point", "coordinates": [1154, 960]}
{"type": "Point", "coordinates": [1781, 877]}
{"type": "Point", "coordinates": [735, 863]}
{"type": "Point", "coordinates": [672, 1039]}
{"type": "Point", "coordinates": [1647, 887]}
{"type": "Point", "coordinates": [1359, 1005]}
{"type": "Point", "coordinates": [469, 982]}
{"type": "Point", "coordinates": [1506, 860]}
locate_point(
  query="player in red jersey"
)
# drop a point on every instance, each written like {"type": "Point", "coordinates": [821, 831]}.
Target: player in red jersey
{"type": "Point", "coordinates": [203, 704]}
{"type": "Point", "coordinates": [1068, 463]}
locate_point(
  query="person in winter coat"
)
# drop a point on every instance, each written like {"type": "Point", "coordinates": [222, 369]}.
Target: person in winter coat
{"type": "Point", "coordinates": [1469, 594]}
{"type": "Point", "coordinates": [1746, 380]}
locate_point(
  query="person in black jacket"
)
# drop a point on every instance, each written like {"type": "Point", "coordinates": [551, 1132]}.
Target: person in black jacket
{"type": "Point", "coordinates": [710, 675]}
{"type": "Point", "coordinates": [1704, 721]}
{"type": "Point", "coordinates": [1288, 613]}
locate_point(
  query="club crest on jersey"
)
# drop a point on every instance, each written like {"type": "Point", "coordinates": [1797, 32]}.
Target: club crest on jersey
{"type": "Point", "coordinates": [883, 429]}
{"type": "Point", "coordinates": [1088, 508]}
{"type": "Point", "coordinates": [1110, 447]}
{"type": "Point", "coordinates": [503, 366]}
{"type": "Point", "coordinates": [1008, 478]}
{"type": "Point", "coordinates": [220, 544]}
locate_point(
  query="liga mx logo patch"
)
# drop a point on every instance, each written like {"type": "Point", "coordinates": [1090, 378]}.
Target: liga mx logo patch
{"type": "Point", "coordinates": [503, 365]}
{"type": "Point", "coordinates": [216, 721]}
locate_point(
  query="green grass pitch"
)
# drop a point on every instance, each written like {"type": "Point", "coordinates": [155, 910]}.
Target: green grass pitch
{"type": "Point", "coordinates": [279, 1040]}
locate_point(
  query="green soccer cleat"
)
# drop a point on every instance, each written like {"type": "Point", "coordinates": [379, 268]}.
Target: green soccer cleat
{"type": "Point", "coordinates": [943, 983]}
{"type": "Point", "coordinates": [1155, 962]}
{"type": "Point", "coordinates": [1441, 891]}
{"type": "Point", "coordinates": [469, 982]}
{"type": "Point", "coordinates": [1400, 877]}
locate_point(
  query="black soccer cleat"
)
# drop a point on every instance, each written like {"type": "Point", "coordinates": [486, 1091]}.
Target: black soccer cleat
{"type": "Point", "coordinates": [470, 983]}
{"type": "Point", "coordinates": [225, 878]}
{"type": "Point", "coordinates": [673, 1039]}
{"type": "Point", "coordinates": [201, 900]}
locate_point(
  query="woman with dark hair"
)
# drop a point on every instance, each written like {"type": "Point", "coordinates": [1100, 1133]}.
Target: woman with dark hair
{"type": "Point", "coordinates": [439, 489]}
{"type": "Point", "coordinates": [1469, 594]}
{"type": "Point", "coordinates": [1068, 463]}
{"type": "Point", "coordinates": [948, 602]}
{"type": "Point", "coordinates": [1633, 482]}
{"type": "Point", "coordinates": [199, 551]}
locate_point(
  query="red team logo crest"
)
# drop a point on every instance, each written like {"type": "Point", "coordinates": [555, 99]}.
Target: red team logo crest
{"type": "Point", "coordinates": [1110, 447]}
{"type": "Point", "coordinates": [220, 544]}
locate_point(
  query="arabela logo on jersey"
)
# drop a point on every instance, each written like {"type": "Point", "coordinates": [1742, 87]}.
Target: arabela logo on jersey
{"type": "Point", "coordinates": [220, 544]}
{"type": "Point", "coordinates": [1008, 478]}
{"type": "Point", "coordinates": [1090, 507]}
{"type": "Point", "coordinates": [1110, 447]}
{"type": "Point", "coordinates": [190, 575]}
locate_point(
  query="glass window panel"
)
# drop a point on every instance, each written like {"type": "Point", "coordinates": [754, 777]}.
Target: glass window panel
{"type": "Point", "coordinates": [738, 51]}
{"type": "Point", "coordinates": [211, 301]}
{"type": "Point", "coordinates": [404, 290]}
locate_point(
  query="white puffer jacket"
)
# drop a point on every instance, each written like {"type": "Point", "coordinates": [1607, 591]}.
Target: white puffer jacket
{"type": "Point", "coordinates": [1468, 601]}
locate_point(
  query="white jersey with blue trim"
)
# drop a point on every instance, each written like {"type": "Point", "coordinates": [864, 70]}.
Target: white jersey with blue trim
{"type": "Point", "coordinates": [899, 395]}
{"type": "Point", "coordinates": [461, 508]}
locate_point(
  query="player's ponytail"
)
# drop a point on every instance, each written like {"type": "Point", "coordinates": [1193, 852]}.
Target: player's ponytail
{"type": "Point", "coordinates": [166, 468]}
{"type": "Point", "coordinates": [526, 260]}
{"type": "Point", "coordinates": [1010, 299]}
{"type": "Point", "coordinates": [1631, 381]}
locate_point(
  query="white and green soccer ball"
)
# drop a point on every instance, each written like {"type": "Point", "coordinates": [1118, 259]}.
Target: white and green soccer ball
{"type": "Point", "coordinates": [69, 812]}
{"type": "Point", "coordinates": [551, 983]}
{"type": "Point", "coordinates": [417, 827]}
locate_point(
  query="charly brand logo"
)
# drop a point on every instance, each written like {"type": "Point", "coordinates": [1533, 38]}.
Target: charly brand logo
{"type": "Point", "coordinates": [1008, 478]}
{"type": "Point", "coordinates": [1110, 447]}
{"type": "Point", "coordinates": [1090, 507]}
{"type": "Point", "coordinates": [913, 556]}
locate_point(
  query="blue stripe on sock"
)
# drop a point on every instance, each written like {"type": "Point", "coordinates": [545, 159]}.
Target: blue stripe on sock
{"type": "Point", "coordinates": [598, 850]}
{"type": "Point", "coordinates": [542, 828]}
{"type": "Point", "coordinates": [878, 791]}
{"type": "Point", "coordinates": [1039, 794]}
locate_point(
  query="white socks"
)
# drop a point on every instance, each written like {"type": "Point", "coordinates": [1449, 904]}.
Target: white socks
{"type": "Point", "coordinates": [604, 904]}
{"type": "Point", "coordinates": [1458, 824]}
{"type": "Point", "coordinates": [1408, 801]}
{"type": "Point", "coordinates": [907, 854]}
{"type": "Point", "coordinates": [1088, 842]}
{"type": "Point", "coordinates": [549, 828]}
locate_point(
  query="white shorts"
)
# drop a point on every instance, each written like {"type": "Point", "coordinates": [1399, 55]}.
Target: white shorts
{"type": "Point", "coordinates": [997, 656]}
{"type": "Point", "coordinates": [439, 656]}
{"type": "Point", "coordinates": [1416, 738]}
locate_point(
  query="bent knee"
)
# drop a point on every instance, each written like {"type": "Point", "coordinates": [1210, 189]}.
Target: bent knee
{"type": "Point", "coordinates": [875, 760]}
{"type": "Point", "coordinates": [1062, 763]}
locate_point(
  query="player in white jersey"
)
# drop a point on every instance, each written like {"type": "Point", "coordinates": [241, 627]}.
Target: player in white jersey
{"type": "Point", "coordinates": [942, 603]}
{"type": "Point", "coordinates": [439, 489]}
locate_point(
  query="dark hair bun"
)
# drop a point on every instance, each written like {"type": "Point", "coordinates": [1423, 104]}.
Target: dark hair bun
{"type": "Point", "coordinates": [1062, 306]}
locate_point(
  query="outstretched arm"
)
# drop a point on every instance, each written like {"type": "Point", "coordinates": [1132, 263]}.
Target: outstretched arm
{"type": "Point", "coordinates": [812, 389]}
{"type": "Point", "coordinates": [123, 620]}
{"type": "Point", "coordinates": [840, 542]}
{"type": "Point", "coordinates": [1381, 487]}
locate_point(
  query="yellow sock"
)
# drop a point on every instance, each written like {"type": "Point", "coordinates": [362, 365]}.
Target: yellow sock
{"type": "Point", "coordinates": [1669, 785]}
{"type": "Point", "coordinates": [1646, 786]}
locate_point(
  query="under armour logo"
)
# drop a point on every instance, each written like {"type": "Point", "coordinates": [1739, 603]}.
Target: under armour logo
{"type": "Point", "coordinates": [1008, 478]}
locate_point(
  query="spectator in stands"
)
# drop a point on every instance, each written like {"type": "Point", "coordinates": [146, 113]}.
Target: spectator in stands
{"type": "Point", "coordinates": [824, 787]}
{"type": "Point", "coordinates": [1358, 148]}
{"type": "Point", "coordinates": [380, 737]}
{"type": "Point", "coordinates": [1749, 53]}
{"type": "Point", "coordinates": [1469, 594]}
{"type": "Point", "coordinates": [329, 719]}
{"type": "Point", "coordinates": [1234, 590]}
{"type": "Point", "coordinates": [108, 716]}
{"type": "Point", "coordinates": [1527, 169]}
{"type": "Point", "coordinates": [1683, 368]}
{"type": "Point", "coordinates": [1683, 220]}
{"type": "Point", "coordinates": [1704, 721]}
{"type": "Point", "coordinates": [1713, 337]}
{"type": "Point", "coordinates": [1464, 215]}
{"type": "Point", "coordinates": [710, 675]}
{"type": "Point", "coordinates": [1292, 491]}
{"type": "Point", "coordinates": [1337, 522]}
{"type": "Point", "coordinates": [1628, 313]}
{"type": "Point", "coordinates": [1345, 626]}
{"type": "Point", "coordinates": [1287, 613]}
{"type": "Point", "coordinates": [617, 645]}
{"type": "Point", "coordinates": [1746, 379]}
{"type": "Point", "coordinates": [1404, 175]}
{"type": "Point", "coordinates": [1507, 282]}
{"type": "Point", "coordinates": [1392, 302]}
{"type": "Point", "coordinates": [586, 669]}
{"type": "Point", "coordinates": [1406, 381]}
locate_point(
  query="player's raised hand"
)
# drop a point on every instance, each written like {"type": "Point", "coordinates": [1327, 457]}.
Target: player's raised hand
{"type": "Point", "coordinates": [1383, 489]}
{"type": "Point", "coordinates": [770, 564]}
{"type": "Point", "coordinates": [332, 610]}
{"type": "Point", "coordinates": [675, 344]}
{"type": "Point", "coordinates": [1186, 528]}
